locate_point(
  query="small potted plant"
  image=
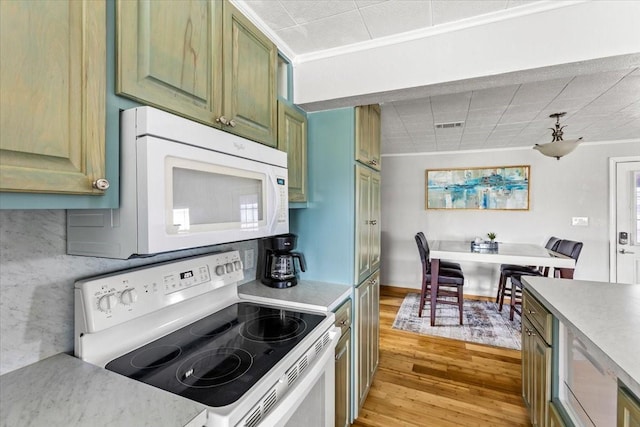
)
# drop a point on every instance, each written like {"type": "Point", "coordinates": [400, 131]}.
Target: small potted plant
{"type": "Point", "coordinates": [492, 243]}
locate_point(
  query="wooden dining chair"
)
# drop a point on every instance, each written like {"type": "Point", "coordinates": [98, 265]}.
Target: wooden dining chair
{"type": "Point", "coordinates": [568, 248]}
{"type": "Point", "coordinates": [450, 281]}
{"type": "Point", "coordinates": [507, 270]}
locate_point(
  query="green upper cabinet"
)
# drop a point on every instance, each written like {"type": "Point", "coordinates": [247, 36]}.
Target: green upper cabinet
{"type": "Point", "coordinates": [169, 55]}
{"type": "Point", "coordinates": [250, 63]}
{"type": "Point", "coordinates": [52, 96]}
{"type": "Point", "coordinates": [201, 59]}
{"type": "Point", "coordinates": [292, 138]}
{"type": "Point", "coordinates": [368, 135]}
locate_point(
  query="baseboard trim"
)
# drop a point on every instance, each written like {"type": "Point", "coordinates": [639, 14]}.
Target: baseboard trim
{"type": "Point", "coordinates": [399, 291]}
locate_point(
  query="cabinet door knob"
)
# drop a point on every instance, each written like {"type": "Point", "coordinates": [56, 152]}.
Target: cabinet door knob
{"type": "Point", "coordinates": [232, 123]}
{"type": "Point", "coordinates": [373, 222]}
{"type": "Point", "coordinates": [223, 120]}
{"type": "Point", "coordinates": [100, 184]}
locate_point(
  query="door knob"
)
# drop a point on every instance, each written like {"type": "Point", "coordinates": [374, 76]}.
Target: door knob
{"type": "Point", "coordinates": [624, 251]}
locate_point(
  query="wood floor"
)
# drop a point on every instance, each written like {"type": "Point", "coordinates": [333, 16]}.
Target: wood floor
{"type": "Point", "coordinates": [432, 381]}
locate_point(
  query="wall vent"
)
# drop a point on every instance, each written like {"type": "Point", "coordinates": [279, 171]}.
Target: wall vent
{"type": "Point", "coordinates": [449, 125]}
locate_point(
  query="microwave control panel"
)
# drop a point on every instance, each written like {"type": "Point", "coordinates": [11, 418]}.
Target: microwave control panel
{"type": "Point", "coordinates": [283, 193]}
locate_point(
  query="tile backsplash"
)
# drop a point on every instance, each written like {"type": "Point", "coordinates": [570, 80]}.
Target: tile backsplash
{"type": "Point", "coordinates": [37, 279]}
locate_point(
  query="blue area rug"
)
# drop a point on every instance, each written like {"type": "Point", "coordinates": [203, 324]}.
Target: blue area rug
{"type": "Point", "coordinates": [483, 323]}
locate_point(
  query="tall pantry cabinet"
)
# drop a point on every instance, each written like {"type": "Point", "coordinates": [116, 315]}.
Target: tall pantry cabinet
{"type": "Point", "coordinates": [339, 230]}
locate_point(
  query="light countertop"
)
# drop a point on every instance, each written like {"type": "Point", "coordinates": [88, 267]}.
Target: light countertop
{"type": "Point", "coordinates": [65, 391]}
{"type": "Point", "coordinates": [306, 295]}
{"type": "Point", "coordinates": [607, 315]}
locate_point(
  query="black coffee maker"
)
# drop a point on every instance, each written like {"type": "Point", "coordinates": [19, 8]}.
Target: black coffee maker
{"type": "Point", "coordinates": [280, 271]}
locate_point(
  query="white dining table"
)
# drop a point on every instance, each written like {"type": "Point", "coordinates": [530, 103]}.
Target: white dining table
{"type": "Point", "coordinates": [507, 253]}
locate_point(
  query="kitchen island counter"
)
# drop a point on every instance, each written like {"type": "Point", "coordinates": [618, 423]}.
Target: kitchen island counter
{"type": "Point", "coordinates": [306, 295]}
{"type": "Point", "coordinates": [63, 391]}
{"type": "Point", "coordinates": [605, 314]}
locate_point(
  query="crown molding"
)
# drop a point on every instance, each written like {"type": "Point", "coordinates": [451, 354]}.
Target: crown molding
{"type": "Point", "coordinates": [502, 149]}
{"type": "Point", "coordinates": [501, 15]}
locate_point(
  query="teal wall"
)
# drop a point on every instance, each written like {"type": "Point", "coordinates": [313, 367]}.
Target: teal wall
{"type": "Point", "coordinates": [114, 104]}
{"type": "Point", "coordinates": [326, 227]}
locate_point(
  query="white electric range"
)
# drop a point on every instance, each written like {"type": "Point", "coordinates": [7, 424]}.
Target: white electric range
{"type": "Point", "coordinates": [181, 327]}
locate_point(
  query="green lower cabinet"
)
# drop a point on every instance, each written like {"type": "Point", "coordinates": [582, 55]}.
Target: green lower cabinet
{"type": "Point", "coordinates": [628, 409]}
{"type": "Point", "coordinates": [555, 420]}
{"type": "Point", "coordinates": [536, 359]}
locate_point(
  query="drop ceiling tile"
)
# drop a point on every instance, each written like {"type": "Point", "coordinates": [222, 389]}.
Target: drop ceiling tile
{"type": "Point", "coordinates": [346, 28]}
{"type": "Point", "coordinates": [414, 107]}
{"type": "Point", "coordinates": [492, 98]}
{"type": "Point", "coordinates": [541, 92]}
{"type": "Point", "coordinates": [396, 16]}
{"type": "Point", "coordinates": [472, 146]}
{"type": "Point", "coordinates": [452, 10]}
{"type": "Point", "coordinates": [519, 114]}
{"type": "Point", "coordinates": [510, 127]}
{"type": "Point", "coordinates": [303, 11]}
{"type": "Point", "coordinates": [397, 140]}
{"type": "Point", "coordinates": [398, 149]}
{"type": "Point", "coordinates": [478, 134]}
{"type": "Point", "coordinates": [272, 13]}
{"type": "Point", "coordinates": [516, 3]}
{"type": "Point", "coordinates": [417, 121]}
{"type": "Point", "coordinates": [425, 141]}
{"type": "Point", "coordinates": [452, 102]}
{"type": "Point", "coordinates": [592, 84]}
{"type": "Point", "coordinates": [365, 3]}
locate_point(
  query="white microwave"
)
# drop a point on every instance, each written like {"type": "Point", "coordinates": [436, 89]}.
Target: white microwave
{"type": "Point", "coordinates": [184, 185]}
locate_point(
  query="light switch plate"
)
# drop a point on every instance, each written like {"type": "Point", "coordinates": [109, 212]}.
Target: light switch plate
{"type": "Point", "coordinates": [580, 221]}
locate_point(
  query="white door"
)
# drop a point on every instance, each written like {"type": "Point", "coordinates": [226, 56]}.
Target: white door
{"type": "Point", "coordinates": [627, 223]}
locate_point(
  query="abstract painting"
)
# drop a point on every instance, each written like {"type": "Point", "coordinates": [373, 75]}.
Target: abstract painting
{"type": "Point", "coordinates": [485, 188]}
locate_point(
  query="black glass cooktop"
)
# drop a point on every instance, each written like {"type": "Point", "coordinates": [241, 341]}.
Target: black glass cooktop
{"type": "Point", "coordinates": [219, 358]}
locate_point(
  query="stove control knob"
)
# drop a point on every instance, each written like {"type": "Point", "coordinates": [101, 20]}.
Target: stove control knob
{"type": "Point", "coordinates": [229, 267]}
{"type": "Point", "coordinates": [237, 265]}
{"type": "Point", "coordinates": [220, 270]}
{"type": "Point", "coordinates": [128, 296]}
{"type": "Point", "coordinates": [107, 302]}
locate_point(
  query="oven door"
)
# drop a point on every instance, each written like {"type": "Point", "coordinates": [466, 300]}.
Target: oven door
{"type": "Point", "coordinates": [189, 197]}
{"type": "Point", "coordinates": [588, 388]}
{"type": "Point", "coordinates": [311, 403]}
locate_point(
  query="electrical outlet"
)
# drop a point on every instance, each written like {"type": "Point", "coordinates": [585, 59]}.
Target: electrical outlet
{"type": "Point", "coordinates": [249, 259]}
{"type": "Point", "coordinates": [580, 221]}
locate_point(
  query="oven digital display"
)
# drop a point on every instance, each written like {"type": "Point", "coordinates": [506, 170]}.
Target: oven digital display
{"type": "Point", "coordinates": [186, 275]}
{"type": "Point", "coordinates": [280, 181]}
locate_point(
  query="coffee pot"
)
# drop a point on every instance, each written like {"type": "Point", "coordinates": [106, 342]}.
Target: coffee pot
{"type": "Point", "coordinates": [280, 270]}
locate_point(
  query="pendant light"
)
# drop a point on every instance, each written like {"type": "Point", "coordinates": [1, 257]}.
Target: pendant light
{"type": "Point", "coordinates": [557, 147]}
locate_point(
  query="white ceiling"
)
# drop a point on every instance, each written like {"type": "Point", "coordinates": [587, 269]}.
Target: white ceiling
{"type": "Point", "coordinates": [600, 106]}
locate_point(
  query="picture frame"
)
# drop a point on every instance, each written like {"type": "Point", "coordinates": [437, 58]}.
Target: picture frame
{"type": "Point", "coordinates": [478, 188]}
